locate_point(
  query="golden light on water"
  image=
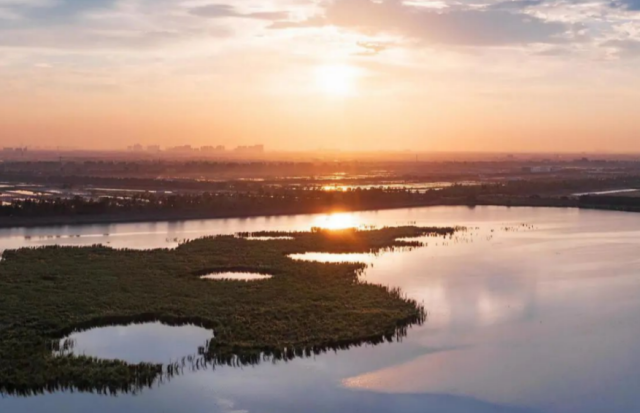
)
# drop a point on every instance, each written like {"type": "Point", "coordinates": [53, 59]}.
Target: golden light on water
{"type": "Point", "coordinates": [340, 220]}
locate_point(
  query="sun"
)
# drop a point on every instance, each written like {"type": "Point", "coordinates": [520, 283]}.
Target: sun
{"type": "Point", "coordinates": [336, 80]}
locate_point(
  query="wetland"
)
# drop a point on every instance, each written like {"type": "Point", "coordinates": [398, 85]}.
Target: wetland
{"type": "Point", "coordinates": [528, 310]}
{"type": "Point", "coordinates": [302, 308]}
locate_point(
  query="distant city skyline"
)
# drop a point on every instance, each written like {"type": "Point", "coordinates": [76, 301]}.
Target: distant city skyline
{"type": "Point", "coordinates": [247, 149]}
{"type": "Point", "coordinates": [351, 75]}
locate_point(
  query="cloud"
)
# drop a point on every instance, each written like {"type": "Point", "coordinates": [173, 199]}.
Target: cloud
{"type": "Point", "coordinates": [68, 39]}
{"type": "Point", "coordinates": [515, 5]}
{"type": "Point", "coordinates": [554, 52]}
{"type": "Point", "coordinates": [624, 48]}
{"type": "Point", "coordinates": [633, 5]}
{"type": "Point", "coordinates": [103, 25]}
{"type": "Point", "coordinates": [54, 11]}
{"type": "Point", "coordinates": [469, 27]}
{"type": "Point", "coordinates": [225, 10]}
{"type": "Point", "coordinates": [371, 48]}
{"type": "Point", "coordinates": [314, 21]}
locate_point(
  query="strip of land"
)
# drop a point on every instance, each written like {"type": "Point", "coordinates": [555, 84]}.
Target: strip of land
{"type": "Point", "coordinates": [41, 216]}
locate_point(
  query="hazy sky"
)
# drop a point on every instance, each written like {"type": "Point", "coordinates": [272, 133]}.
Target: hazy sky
{"type": "Point", "coordinates": [529, 75]}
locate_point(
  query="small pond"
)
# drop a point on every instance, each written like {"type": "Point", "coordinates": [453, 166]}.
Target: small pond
{"type": "Point", "coordinates": [138, 343]}
{"type": "Point", "coordinates": [267, 238]}
{"type": "Point", "coordinates": [236, 276]}
{"type": "Point", "coordinates": [334, 257]}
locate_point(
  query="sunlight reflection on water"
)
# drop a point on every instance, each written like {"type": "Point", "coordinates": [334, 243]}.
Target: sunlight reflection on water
{"type": "Point", "coordinates": [138, 343]}
{"type": "Point", "coordinates": [335, 258]}
{"type": "Point", "coordinates": [339, 220]}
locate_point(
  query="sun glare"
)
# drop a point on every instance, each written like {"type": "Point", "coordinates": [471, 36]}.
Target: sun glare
{"type": "Point", "coordinates": [337, 221]}
{"type": "Point", "coordinates": [336, 80]}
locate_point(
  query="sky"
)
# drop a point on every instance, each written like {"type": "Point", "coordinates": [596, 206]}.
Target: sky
{"type": "Point", "coordinates": [356, 75]}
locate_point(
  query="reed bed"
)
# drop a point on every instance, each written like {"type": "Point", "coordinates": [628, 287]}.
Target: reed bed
{"type": "Point", "coordinates": [305, 309]}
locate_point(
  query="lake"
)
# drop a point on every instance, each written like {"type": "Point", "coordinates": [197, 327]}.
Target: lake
{"type": "Point", "coordinates": [531, 310]}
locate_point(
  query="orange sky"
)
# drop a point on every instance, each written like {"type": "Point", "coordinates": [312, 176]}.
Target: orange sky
{"type": "Point", "coordinates": [339, 74]}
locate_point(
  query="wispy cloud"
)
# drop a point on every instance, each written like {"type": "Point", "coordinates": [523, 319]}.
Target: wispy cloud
{"type": "Point", "coordinates": [101, 24]}
{"type": "Point", "coordinates": [225, 10]}
{"type": "Point", "coordinates": [52, 12]}
{"type": "Point", "coordinates": [632, 5]}
{"type": "Point", "coordinates": [471, 27]}
{"type": "Point", "coordinates": [515, 5]}
{"type": "Point", "coordinates": [624, 48]}
{"type": "Point", "coordinates": [371, 48]}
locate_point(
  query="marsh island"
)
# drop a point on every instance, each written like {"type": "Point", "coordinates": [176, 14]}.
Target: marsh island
{"type": "Point", "coordinates": [304, 308]}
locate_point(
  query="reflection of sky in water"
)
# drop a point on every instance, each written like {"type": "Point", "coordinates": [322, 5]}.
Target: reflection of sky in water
{"type": "Point", "coordinates": [237, 276]}
{"type": "Point", "coordinates": [166, 234]}
{"type": "Point", "coordinates": [267, 238]}
{"type": "Point", "coordinates": [329, 257]}
{"type": "Point", "coordinates": [138, 343]}
{"type": "Point", "coordinates": [544, 320]}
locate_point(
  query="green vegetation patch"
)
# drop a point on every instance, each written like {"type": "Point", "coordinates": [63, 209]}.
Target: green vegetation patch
{"type": "Point", "coordinates": [305, 308]}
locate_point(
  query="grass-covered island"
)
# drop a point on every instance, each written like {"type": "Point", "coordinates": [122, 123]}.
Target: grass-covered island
{"type": "Point", "coordinates": [305, 308]}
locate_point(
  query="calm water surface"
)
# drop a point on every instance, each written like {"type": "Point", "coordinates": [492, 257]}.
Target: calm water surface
{"type": "Point", "coordinates": [138, 343]}
{"type": "Point", "coordinates": [330, 257]}
{"type": "Point", "coordinates": [540, 318]}
{"type": "Point", "coordinates": [236, 276]}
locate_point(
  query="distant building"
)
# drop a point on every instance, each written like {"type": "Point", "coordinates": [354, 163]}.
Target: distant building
{"type": "Point", "coordinates": [136, 148]}
{"type": "Point", "coordinates": [250, 150]}
{"type": "Point", "coordinates": [181, 149]}
{"type": "Point", "coordinates": [212, 149]}
{"type": "Point", "coordinates": [541, 169]}
{"type": "Point", "coordinates": [153, 148]}
{"type": "Point", "coordinates": [19, 151]}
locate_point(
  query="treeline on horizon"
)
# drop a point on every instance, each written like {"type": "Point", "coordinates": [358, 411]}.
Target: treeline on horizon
{"type": "Point", "coordinates": [229, 169]}
{"type": "Point", "coordinates": [219, 169]}
{"type": "Point", "coordinates": [295, 199]}
{"type": "Point", "coordinates": [224, 203]}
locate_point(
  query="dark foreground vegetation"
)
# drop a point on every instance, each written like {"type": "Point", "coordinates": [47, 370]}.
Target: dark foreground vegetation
{"type": "Point", "coordinates": [306, 308]}
{"type": "Point", "coordinates": [611, 202]}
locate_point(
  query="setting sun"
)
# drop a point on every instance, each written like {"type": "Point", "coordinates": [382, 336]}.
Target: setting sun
{"type": "Point", "coordinates": [336, 80]}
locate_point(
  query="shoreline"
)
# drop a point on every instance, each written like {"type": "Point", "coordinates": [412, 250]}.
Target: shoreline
{"type": "Point", "coordinates": [108, 219]}
{"type": "Point", "coordinates": [15, 223]}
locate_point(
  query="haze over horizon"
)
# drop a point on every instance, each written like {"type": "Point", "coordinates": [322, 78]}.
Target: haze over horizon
{"type": "Point", "coordinates": [364, 75]}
